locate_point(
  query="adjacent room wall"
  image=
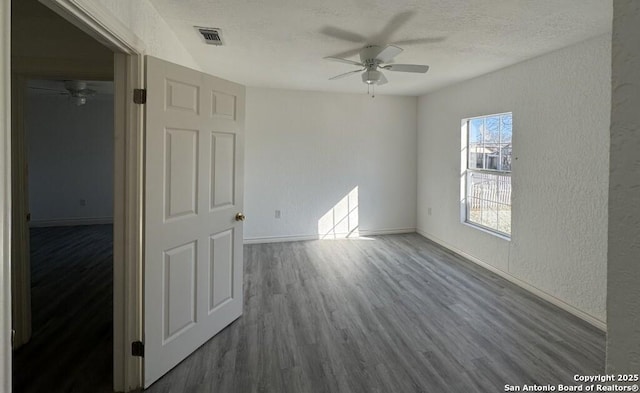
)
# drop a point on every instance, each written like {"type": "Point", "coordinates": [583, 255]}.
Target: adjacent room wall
{"type": "Point", "coordinates": [623, 300]}
{"type": "Point", "coordinates": [331, 163]}
{"type": "Point", "coordinates": [560, 103]}
{"type": "Point", "coordinates": [55, 47]}
{"type": "Point", "coordinates": [70, 152]}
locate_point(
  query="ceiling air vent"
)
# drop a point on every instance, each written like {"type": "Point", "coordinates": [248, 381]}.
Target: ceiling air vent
{"type": "Point", "coordinates": [210, 35]}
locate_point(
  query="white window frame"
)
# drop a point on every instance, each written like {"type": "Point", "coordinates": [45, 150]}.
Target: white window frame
{"type": "Point", "coordinates": [464, 177]}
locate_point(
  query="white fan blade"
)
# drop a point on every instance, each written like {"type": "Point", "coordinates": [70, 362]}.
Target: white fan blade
{"type": "Point", "coordinates": [383, 80]}
{"type": "Point", "coordinates": [432, 40]}
{"type": "Point", "coordinates": [47, 89]}
{"type": "Point", "coordinates": [345, 35]}
{"type": "Point", "coordinates": [407, 68]}
{"type": "Point", "coordinates": [87, 92]}
{"type": "Point", "coordinates": [345, 74]}
{"type": "Point", "coordinates": [388, 53]}
{"type": "Point", "coordinates": [343, 61]}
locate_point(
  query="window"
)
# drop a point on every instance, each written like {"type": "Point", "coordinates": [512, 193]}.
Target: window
{"type": "Point", "coordinates": [487, 170]}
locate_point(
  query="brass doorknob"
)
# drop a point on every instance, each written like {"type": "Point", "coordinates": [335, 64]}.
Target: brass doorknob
{"type": "Point", "coordinates": [240, 217]}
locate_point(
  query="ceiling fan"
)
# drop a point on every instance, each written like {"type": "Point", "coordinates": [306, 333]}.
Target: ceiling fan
{"type": "Point", "coordinates": [76, 90]}
{"type": "Point", "coordinates": [374, 58]}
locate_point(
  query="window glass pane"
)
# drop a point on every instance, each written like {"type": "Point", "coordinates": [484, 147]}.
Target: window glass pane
{"type": "Point", "coordinates": [492, 143]}
{"type": "Point", "coordinates": [507, 128]}
{"type": "Point", "coordinates": [489, 214]}
{"type": "Point", "coordinates": [476, 156]}
{"type": "Point", "coordinates": [489, 201]}
{"type": "Point", "coordinates": [505, 157]}
{"type": "Point", "coordinates": [504, 218]}
{"type": "Point", "coordinates": [488, 194]}
{"type": "Point", "coordinates": [475, 130]}
{"type": "Point", "coordinates": [492, 130]}
{"type": "Point", "coordinates": [506, 132]}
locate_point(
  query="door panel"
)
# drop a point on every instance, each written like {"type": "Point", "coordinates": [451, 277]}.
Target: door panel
{"type": "Point", "coordinates": [193, 178]}
{"type": "Point", "coordinates": [181, 174]}
{"type": "Point", "coordinates": [180, 290]}
{"type": "Point", "coordinates": [223, 147]}
{"type": "Point", "coordinates": [221, 269]}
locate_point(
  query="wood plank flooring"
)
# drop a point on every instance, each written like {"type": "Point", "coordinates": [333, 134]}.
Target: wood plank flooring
{"type": "Point", "coordinates": [393, 314]}
{"type": "Point", "coordinates": [71, 349]}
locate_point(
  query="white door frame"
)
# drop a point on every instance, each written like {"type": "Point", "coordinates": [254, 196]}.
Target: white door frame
{"type": "Point", "coordinates": [5, 195]}
{"type": "Point", "coordinates": [101, 24]}
{"type": "Point", "coordinates": [98, 22]}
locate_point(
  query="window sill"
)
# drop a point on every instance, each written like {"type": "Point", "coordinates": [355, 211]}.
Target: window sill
{"type": "Point", "coordinates": [487, 230]}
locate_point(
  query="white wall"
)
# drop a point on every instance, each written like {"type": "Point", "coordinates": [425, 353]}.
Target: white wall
{"type": "Point", "coordinates": [5, 196]}
{"type": "Point", "coordinates": [623, 301]}
{"type": "Point", "coordinates": [560, 103]}
{"type": "Point", "coordinates": [70, 152]}
{"type": "Point", "coordinates": [141, 17]}
{"type": "Point", "coordinates": [306, 151]}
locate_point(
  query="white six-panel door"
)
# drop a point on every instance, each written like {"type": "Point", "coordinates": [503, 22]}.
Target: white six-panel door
{"type": "Point", "coordinates": [194, 189]}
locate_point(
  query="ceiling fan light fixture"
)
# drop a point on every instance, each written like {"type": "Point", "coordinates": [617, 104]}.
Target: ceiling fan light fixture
{"type": "Point", "coordinates": [78, 100]}
{"type": "Point", "coordinates": [371, 77]}
{"type": "Point", "coordinates": [374, 57]}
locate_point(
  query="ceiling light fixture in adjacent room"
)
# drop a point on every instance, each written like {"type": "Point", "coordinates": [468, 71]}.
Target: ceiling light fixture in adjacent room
{"type": "Point", "coordinates": [78, 92]}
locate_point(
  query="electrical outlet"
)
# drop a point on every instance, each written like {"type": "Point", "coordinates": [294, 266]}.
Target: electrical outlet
{"type": "Point", "coordinates": [429, 211]}
{"type": "Point", "coordinates": [277, 215]}
{"type": "Point", "coordinates": [83, 202]}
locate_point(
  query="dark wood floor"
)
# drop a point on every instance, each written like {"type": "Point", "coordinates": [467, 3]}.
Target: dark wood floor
{"type": "Point", "coordinates": [71, 349]}
{"type": "Point", "coordinates": [393, 314]}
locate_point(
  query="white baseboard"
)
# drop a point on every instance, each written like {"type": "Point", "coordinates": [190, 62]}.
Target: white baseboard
{"type": "Point", "coordinates": [66, 222]}
{"type": "Point", "coordinates": [528, 287]}
{"type": "Point", "coordinates": [297, 238]}
{"type": "Point", "coordinates": [393, 231]}
{"type": "Point", "coordinates": [279, 239]}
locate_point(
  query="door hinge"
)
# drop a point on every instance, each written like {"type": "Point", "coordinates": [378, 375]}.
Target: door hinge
{"type": "Point", "coordinates": [28, 217]}
{"type": "Point", "coordinates": [137, 349]}
{"type": "Point", "coordinates": [140, 96]}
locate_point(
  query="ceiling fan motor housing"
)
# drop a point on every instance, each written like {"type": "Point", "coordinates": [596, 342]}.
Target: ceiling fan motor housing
{"type": "Point", "coordinates": [369, 53]}
{"type": "Point", "coordinates": [75, 85]}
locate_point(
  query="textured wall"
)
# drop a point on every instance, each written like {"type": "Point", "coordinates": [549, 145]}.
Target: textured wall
{"type": "Point", "coordinates": [560, 104]}
{"type": "Point", "coordinates": [307, 151]}
{"type": "Point", "coordinates": [623, 293]}
{"type": "Point", "coordinates": [144, 20]}
{"type": "Point", "coordinates": [70, 152]}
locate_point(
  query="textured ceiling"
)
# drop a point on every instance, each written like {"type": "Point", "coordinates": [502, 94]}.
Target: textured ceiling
{"type": "Point", "coordinates": [281, 43]}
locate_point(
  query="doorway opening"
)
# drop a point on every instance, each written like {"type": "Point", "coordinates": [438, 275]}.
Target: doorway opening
{"type": "Point", "coordinates": [48, 41]}
{"type": "Point", "coordinates": [68, 134]}
{"type": "Point", "coordinates": [63, 204]}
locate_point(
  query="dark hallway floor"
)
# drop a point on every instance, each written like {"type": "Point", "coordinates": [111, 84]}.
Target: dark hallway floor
{"type": "Point", "coordinates": [71, 349]}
